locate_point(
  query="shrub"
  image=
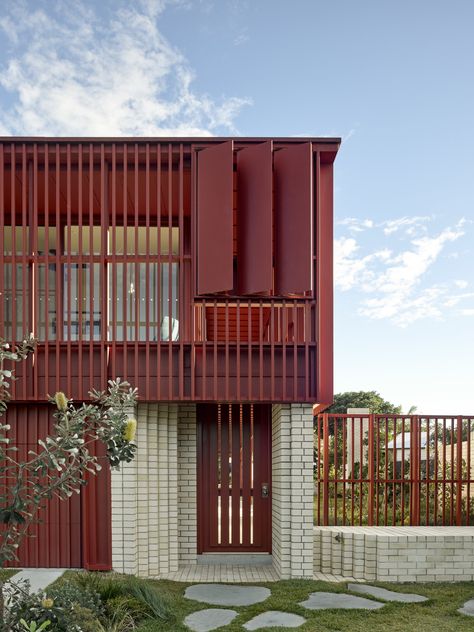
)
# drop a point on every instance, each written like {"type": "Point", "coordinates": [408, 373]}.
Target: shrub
{"type": "Point", "coordinates": [135, 607]}
{"type": "Point", "coordinates": [144, 592]}
{"type": "Point", "coordinates": [66, 606]}
{"type": "Point", "coordinates": [112, 587]}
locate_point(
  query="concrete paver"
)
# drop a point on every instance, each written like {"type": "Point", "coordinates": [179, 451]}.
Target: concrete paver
{"type": "Point", "coordinates": [210, 619]}
{"type": "Point", "coordinates": [387, 595]}
{"type": "Point", "coordinates": [468, 608]}
{"type": "Point", "coordinates": [274, 619]}
{"type": "Point", "coordinates": [227, 595]}
{"type": "Point", "coordinates": [326, 600]}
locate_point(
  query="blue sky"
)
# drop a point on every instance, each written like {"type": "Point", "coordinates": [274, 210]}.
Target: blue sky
{"type": "Point", "coordinates": [394, 79]}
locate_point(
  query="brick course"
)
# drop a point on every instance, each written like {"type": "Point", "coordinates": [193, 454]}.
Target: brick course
{"type": "Point", "coordinates": [396, 554]}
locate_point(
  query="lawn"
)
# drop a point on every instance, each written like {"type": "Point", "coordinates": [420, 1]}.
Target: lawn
{"type": "Point", "coordinates": [437, 615]}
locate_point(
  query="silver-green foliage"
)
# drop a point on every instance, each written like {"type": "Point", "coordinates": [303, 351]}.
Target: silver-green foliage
{"type": "Point", "coordinates": [63, 460]}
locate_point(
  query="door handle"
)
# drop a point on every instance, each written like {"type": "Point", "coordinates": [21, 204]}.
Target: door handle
{"type": "Point", "coordinates": [265, 490]}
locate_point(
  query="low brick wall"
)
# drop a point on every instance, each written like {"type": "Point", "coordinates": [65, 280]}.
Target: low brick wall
{"type": "Point", "coordinates": [396, 554]}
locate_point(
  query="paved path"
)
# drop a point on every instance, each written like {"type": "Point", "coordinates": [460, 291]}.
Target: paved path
{"type": "Point", "coordinates": [234, 595]}
{"type": "Point", "coordinates": [39, 578]}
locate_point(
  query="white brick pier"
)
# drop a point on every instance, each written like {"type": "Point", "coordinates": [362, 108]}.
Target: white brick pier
{"type": "Point", "coordinates": [395, 554]}
{"type": "Point", "coordinates": [154, 496]}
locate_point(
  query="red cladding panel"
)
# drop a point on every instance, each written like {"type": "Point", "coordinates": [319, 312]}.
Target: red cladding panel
{"type": "Point", "coordinates": [70, 533]}
{"type": "Point", "coordinates": [96, 516]}
{"type": "Point", "coordinates": [325, 282]}
{"type": "Point", "coordinates": [254, 185]}
{"type": "Point", "coordinates": [293, 219]}
{"type": "Point", "coordinates": [214, 219]}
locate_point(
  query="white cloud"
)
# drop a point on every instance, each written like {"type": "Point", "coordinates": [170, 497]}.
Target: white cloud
{"type": "Point", "coordinates": [410, 224]}
{"type": "Point", "coordinates": [71, 72]}
{"type": "Point", "coordinates": [396, 281]}
{"type": "Point", "coordinates": [355, 224]}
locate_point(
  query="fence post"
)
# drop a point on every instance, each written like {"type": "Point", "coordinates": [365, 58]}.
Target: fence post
{"type": "Point", "coordinates": [415, 459]}
{"type": "Point", "coordinates": [370, 470]}
{"type": "Point", "coordinates": [325, 469]}
{"type": "Point", "coordinates": [459, 473]}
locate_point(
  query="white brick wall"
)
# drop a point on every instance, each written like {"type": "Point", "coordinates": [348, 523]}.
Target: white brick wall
{"type": "Point", "coordinates": [154, 521]}
{"type": "Point", "coordinates": [187, 497]}
{"type": "Point", "coordinates": [292, 490]}
{"type": "Point", "coordinates": [396, 554]}
{"type": "Point", "coordinates": [149, 534]}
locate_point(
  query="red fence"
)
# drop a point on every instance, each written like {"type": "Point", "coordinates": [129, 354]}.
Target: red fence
{"type": "Point", "coordinates": [394, 470]}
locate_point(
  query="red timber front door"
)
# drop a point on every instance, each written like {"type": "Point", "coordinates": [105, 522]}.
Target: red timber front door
{"type": "Point", "coordinates": [234, 478]}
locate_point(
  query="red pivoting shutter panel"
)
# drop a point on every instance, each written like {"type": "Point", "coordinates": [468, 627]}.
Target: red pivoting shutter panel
{"type": "Point", "coordinates": [254, 221]}
{"type": "Point", "coordinates": [214, 219]}
{"type": "Point", "coordinates": [293, 219]}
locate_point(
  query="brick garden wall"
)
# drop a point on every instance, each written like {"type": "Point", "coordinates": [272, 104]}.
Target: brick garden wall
{"type": "Point", "coordinates": [396, 554]}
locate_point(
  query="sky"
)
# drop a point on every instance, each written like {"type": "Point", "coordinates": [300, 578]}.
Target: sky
{"type": "Point", "coordinates": [393, 79]}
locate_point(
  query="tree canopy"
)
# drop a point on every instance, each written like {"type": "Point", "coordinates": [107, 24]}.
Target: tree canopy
{"type": "Point", "coordinates": [363, 399]}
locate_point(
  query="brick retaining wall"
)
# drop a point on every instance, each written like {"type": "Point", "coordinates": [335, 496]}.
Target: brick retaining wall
{"type": "Point", "coordinates": [396, 554]}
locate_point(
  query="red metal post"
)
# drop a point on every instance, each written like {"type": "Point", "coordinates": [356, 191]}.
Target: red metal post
{"type": "Point", "coordinates": [370, 471]}
{"type": "Point", "coordinates": [326, 465]}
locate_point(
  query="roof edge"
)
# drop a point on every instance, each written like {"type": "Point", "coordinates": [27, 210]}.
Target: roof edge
{"type": "Point", "coordinates": [175, 139]}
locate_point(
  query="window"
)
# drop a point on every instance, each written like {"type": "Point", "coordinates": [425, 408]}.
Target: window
{"type": "Point", "coordinates": [133, 240]}
{"type": "Point", "coordinates": [46, 317]}
{"type": "Point", "coordinates": [82, 301]}
{"type": "Point", "coordinates": [143, 306]}
{"type": "Point", "coordinates": [15, 301]}
{"type": "Point", "coordinates": [66, 297]}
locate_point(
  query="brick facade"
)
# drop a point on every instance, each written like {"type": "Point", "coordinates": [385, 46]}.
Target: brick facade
{"type": "Point", "coordinates": [154, 497]}
{"type": "Point", "coordinates": [154, 521]}
{"type": "Point", "coordinates": [292, 490]}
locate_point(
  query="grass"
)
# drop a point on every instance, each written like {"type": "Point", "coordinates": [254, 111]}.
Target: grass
{"type": "Point", "coordinates": [437, 615]}
{"type": "Point", "coordinates": [6, 573]}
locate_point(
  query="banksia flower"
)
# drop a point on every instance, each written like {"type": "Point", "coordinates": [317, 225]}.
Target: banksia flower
{"type": "Point", "coordinates": [130, 430]}
{"type": "Point", "coordinates": [61, 401]}
{"type": "Point", "coordinates": [47, 602]}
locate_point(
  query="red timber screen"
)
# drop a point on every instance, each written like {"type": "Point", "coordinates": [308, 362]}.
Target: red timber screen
{"type": "Point", "coordinates": [196, 269]}
{"type": "Point", "coordinates": [73, 533]}
{"type": "Point", "coordinates": [234, 478]}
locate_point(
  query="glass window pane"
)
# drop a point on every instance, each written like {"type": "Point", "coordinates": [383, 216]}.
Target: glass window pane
{"type": "Point", "coordinates": [13, 239]}
{"type": "Point", "coordinates": [115, 302]}
{"type": "Point", "coordinates": [77, 240]}
{"type": "Point", "coordinates": [43, 247]}
{"type": "Point", "coordinates": [164, 246]}
{"type": "Point", "coordinates": [133, 294]}
{"type": "Point", "coordinates": [169, 302]}
{"type": "Point", "coordinates": [82, 315]}
{"type": "Point", "coordinates": [15, 301]}
{"type": "Point", "coordinates": [45, 296]}
{"type": "Point", "coordinates": [136, 239]}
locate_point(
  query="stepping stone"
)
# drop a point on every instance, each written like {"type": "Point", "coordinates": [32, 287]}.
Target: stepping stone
{"type": "Point", "coordinates": [468, 608]}
{"type": "Point", "coordinates": [274, 619]}
{"type": "Point", "coordinates": [210, 619]}
{"type": "Point", "coordinates": [227, 595]}
{"type": "Point", "coordinates": [326, 600]}
{"type": "Point", "coordinates": [388, 595]}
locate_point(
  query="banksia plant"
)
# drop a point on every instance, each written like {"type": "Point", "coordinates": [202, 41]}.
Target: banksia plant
{"type": "Point", "coordinates": [61, 401]}
{"type": "Point", "coordinates": [130, 429]}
